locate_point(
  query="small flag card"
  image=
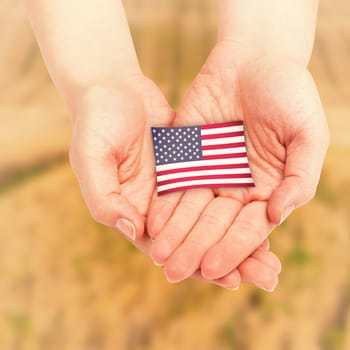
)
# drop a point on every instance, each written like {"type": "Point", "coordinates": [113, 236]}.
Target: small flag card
{"type": "Point", "coordinates": [211, 155]}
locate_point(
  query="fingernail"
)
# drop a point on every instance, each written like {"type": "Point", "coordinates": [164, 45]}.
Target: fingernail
{"type": "Point", "coordinates": [127, 228]}
{"type": "Point", "coordinates": [270, 289]}
{"type": "Point", "coordinates": [171, 280]}
{"type": "Point", "coordinates": [236, 288]}
{"type": "Point", "coordinates": [287, 212]}
{"type": "Point", "coordinates": [157, 264]}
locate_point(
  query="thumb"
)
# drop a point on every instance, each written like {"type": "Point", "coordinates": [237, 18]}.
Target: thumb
{"type": "Point", "coordinates": [99, 183]}
{"type": "Point", "coordinates": [302, 172]}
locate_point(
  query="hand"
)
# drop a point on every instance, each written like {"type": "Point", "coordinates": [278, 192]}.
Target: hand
{"type": "Point", "coordinates": [111, 152]}
{"type": "Point", "coordinates": [261, 268]}
{"type": "Point", "coordinates": [111, 155]}
{"type": "Point", "coordinates": [286, 136]}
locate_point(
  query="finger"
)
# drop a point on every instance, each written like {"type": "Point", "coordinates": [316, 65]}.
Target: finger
{"type": "Point", "coordinates": [209, 229]}
{"type": "Point", "coordinates": [262, 272]}
{"type": "Point", "coordinates": [143, 244]}
{"type": "Point", "coordinates": [255, 272]}
{"type": "Point", "coordinates": [180, 224]}
{"type": "Point", "coordinates": [231, 281]}
{"type": "Point", "coordinates": [161, 209]}
{"type": "Point", "coordinates": [302, 173]}
{"type": "Point", "coordinates": [266, 244]}
{"type": "Point", "coordinates": [252, 271]}
{"type": "Point", "coordinates": [266, 268]}
{"type": "Point", "coordinates": [248, 231]}
{"type": "Point", "coordinates": [268, 258]}
{"type": "Point", "coordinates": [98, 180]}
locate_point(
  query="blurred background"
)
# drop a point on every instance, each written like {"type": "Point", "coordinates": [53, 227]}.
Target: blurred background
{"type": "Point", "coordinates": [67, 283]}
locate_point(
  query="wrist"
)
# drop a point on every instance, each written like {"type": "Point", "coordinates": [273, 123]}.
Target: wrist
{"type": "Point", "coordinates": [96, 88]}
{"type": "Point", "coordinates": [282, 29]}
{"type": "Point", "coordinates": [251, 49]}
{"type": "Point", "coordinates": [98, 95]}
{"type": "Point", "coordinates": [240, 54]}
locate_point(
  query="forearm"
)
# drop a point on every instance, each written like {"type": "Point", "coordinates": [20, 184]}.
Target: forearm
{"type": "Point", "coordinates": [83, 42]}
{"type": "Point", "coordinates": [281, 28]}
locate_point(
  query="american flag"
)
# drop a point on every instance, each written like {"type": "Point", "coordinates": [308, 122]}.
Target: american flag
{"type": "Point", "coordinates": [211, 155]}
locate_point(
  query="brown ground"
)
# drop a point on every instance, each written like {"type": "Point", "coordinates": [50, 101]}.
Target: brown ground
{"type": "Point", "coordinates": [67, 283]}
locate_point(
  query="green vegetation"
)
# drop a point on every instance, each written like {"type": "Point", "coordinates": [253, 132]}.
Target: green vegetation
{"type": "Point", "coordinates": [19, 323]}
{"type": "Point", "coordinates": [299, 256]}
{"type": "Point", "coordinates": [16, 177]}
{"type": "Point", "coordinates": [333, 339]}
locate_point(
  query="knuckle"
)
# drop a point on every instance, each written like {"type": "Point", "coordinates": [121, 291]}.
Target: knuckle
{"type": "Point", "coordinates": [305, 186]}
{"type": "Point", "coordinates": [309, 193]}
{"type": "Point", "coordinates": [188, 206]}
{"type": "Point", "coordinates": [173, 231]}
{"type": "Point", "coordinates": [212, 220]}
{"type": "Point", "coordinates": [306, 191]}
{"type": "Point", "coordinates": [196, 246]}
{"type": "Point", "coordinates": [97, 212]}
{"type": "Point", "coordinates": [251, 227]}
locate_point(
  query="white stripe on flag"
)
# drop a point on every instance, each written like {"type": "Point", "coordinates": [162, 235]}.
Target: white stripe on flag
{"type": "Point", "coordinates": [223, 140]}
{"type": "Point", "coordinates": [205, 182]}
{"type": "Point", "coordinates": [228, 161]}
{"type": "Point", "coordinates": [211, 152]}
{"type": "Point", "coordinates": [222, 130]}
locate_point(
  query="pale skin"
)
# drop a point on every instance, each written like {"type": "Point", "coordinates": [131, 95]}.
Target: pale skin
{"type": "Point", "coordinates": [90, 56]}
{"type": "Point", "coordinates": [256, 72]}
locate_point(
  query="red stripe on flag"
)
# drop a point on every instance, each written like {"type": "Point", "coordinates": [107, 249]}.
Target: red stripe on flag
{"type": "Point", "coordinates": [226, 145]}
{"type": "Point", "coordinates": [205, 167]}
{"type": "Point", "coordinates": [204, 177]}
{"type": "Point", "coordinates": [184, 188]}
{"type": "Point", "coordinates": [225, 134]}
{"type": "Point", "coordinates": [222, 125]}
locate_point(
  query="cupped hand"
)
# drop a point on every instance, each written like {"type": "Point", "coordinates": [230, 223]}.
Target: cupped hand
{"type": "Point", "coordinates": [287, 137]}
{"type": "Point", "coordinates": [111, 150]}
{"type": "Point", "coordinates": [111, 155]}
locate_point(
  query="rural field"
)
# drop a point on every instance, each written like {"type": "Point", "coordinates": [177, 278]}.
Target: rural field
{"type": "Point", "coordinates": [68, 283]}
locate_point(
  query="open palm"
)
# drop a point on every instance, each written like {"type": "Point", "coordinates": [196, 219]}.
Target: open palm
{"type": "Point", "coordinates": [286, 137]}
{"type": "Point", "coordinates": [111, 151]}
{"type": "Point", "coordinates": [112, 157]}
